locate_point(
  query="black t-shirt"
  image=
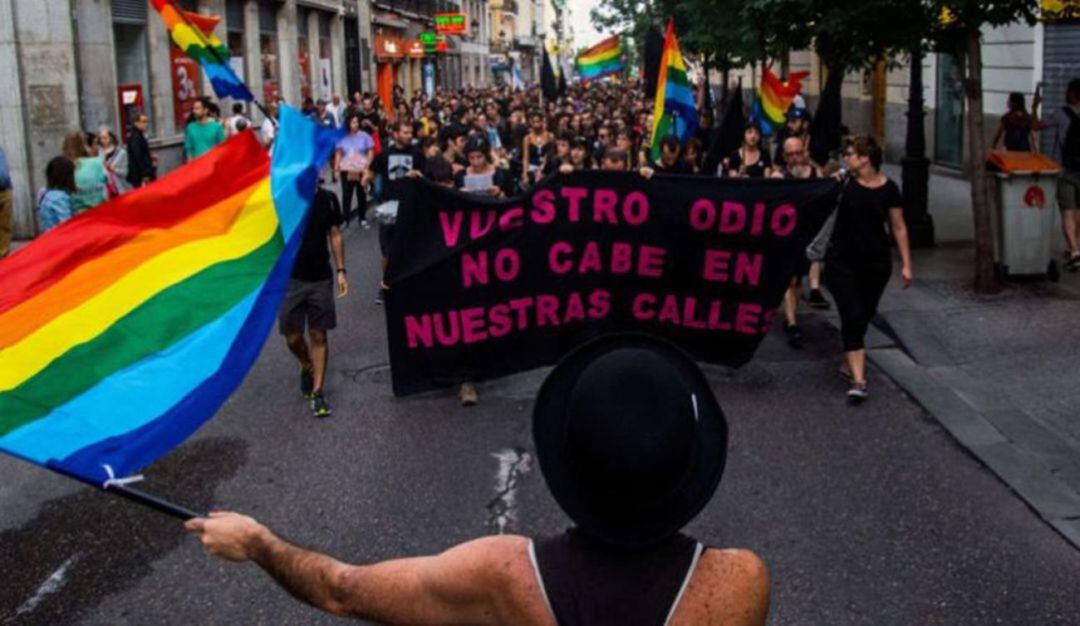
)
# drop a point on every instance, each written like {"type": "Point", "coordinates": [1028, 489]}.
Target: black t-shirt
{"type": "Point", "coordinates": [860, 235]}
{"type": "Point", "coordinates": [313, 258]}
{"type": "Point", "coordinates": [679, 167]}
{"type": "Point", "coordinates": [753, 170]}
{"type": "Point", "coordinates": [393, 164]}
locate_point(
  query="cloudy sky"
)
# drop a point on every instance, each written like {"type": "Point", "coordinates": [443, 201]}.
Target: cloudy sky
{"type": "Point", "coordinates": [584, 33]}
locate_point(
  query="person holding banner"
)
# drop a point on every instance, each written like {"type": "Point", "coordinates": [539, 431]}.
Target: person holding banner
{"type": "Point", "coordinates": [632, 445]}
{"type": "Point", "coordinates": [750, 160]}
{"type": "Point", "coordinates": [390, 168]}
{"type": "Point", "coordinates": [858, 263]}
{"type": "Point", "coordinates": [481, 176]}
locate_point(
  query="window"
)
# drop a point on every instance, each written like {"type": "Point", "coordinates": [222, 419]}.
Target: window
{"type": "Point", "coordinates": [302, 60]}
{"type": "Point", "coordinates": [234, 25]}
{"type": "Point", "coordinates": [268, 52]}
{"type": "Point", "coordinates": [132, 60]}
{"type": "Point", "coordinates": [326, 68]}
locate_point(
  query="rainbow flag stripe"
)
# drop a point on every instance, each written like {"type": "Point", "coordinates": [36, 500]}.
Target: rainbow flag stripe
{"type": "Point", "coordinates": [194, 34]}
{"type": "Point", "coordinates": [674, 111]}
{"type": "Point", "coordinates": [125, 328]}
{"type": "Point", "coordinates": [601, 60]}
{"type": "Point", "coordinates": [774, 99]}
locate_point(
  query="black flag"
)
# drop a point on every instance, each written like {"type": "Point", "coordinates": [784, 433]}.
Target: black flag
{"type": "Point", "coordinates": [562, 81]}
{"type": "Point", "coordinates": [825, 131]}
{"type": "Point", "coordinates": [729, 135]}
{"type": "Point", "coordinates": [547, 80]}
{"type": "Point", "coordinates": [654, 50]}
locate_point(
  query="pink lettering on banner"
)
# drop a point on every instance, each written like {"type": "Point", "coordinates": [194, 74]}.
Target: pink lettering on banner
{"type": "Point", "coordinates": [717, 263]}
{"type": "Point", "coordinates": [758, 222]}
{"type": "Point", "coordinates": [717, 267]}
{"type": "Point", "coordinates": [636, 208]}
{"type": "Point", "coordinates": [547, 310]}
{"type": "Point", "coordinates": [651, 261]}
{"type": "Point", "coordinates": [472, 325]}
{"type": "Point", "coordinates": [507, 264]}
{"type": "Point", "coordinates": [474, 268]}
{"type": "Point", "coordinates": [732, 218]}
{"type": "Point", "coordinates": [784, 220]}
{"type": "Point", "coordinates": [501, 324]}
{"type": "Point", "coordinates": [447, 328]}
{"type": "Point", "coordinates": [543, 207]}
{"type": "Point", "coordinates": [702, 214]}
{"type": "Point", "coordinates": [689, 314]}
{"type": "Point", "coordinates": [575, 195]}
{"type": "Point", "coordinates": [451, 226]}
{"type": "Point", "coordinates": [599, 304]}
{"type": "Point", "coordinates": [748, 269]}
{"type": "Point", "coordinates": [669, 310]}
{"type": "Point", "coordinates": [521, 307]}
{"type": "Point", "coordinates": [558, 250]}
{"type": "Point", "coordinates": [418, 331]}
{"type": "Point", "coordinates": [575, 309]}
{"type": "Point", "coordinates": [748, 318]}
{"type": "Point", "coordinates": [622, 258]}
{"type": "Point", "coordinates": [644, 307]}
{"type": "Point", "coordinates": [590, 259]}
{"type": "Point", "coordinates": [478, 228]}
{"type": "Point", "coordinates": [512, 218]}
{"type": "Point", "coordinates": [604, 201]}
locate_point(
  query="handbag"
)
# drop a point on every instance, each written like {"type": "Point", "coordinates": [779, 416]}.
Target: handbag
{"type": "Point", "coordinates": [819, 246]}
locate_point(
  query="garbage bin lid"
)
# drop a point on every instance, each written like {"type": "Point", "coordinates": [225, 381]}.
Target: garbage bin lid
{"type": "Point", "coordinates": [1021, 162]}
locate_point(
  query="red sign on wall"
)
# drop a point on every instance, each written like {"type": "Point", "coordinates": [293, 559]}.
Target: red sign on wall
{"type": "Point", "coordinates": [451, 24]}
{"type": "Point", "coordinates": [186, 84]}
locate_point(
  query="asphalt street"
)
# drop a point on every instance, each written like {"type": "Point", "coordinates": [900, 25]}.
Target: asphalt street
{"type": "Point", "coordinates": [869, 515]}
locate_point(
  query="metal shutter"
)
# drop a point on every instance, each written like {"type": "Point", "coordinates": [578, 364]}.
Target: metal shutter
{"type": "Point", "coordinates": [1061, 63]}
{"type": "Point", "coordinates": [267, 17]}
{"type": "Point", "coordinates": [129, 11]}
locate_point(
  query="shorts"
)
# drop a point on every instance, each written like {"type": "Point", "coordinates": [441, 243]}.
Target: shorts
{"type": "Point", "coordinates": [386, 239]}
{"type": "Point", "coordinates": [310, 302]}
{"type": "Point", "coordinates": [1068, 191]}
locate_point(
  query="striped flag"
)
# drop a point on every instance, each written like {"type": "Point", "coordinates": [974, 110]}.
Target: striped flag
{"type": "Point", "coordinates": [125, 328]}
{"type": "Point", "coordinates": [774, 98]}
{"type": "Point", "coordinates": [674, 112]}
{"type": "Point", "coordinates": [194, 34]}
{"type": "Point", "coordinates": [603, 59]}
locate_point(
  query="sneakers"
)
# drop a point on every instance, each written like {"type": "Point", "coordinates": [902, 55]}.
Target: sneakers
{"type": "Point", "coordinates": [467, 395]}
{"type": "Point", "coordinates": [380, 296]}
{"type": "Point", "coordinates": [817, 301]}
{"type": "Point", "coordinates": [1073, 264]}
{"type": "Point", "coordinates": [794, 336]}
{"type": "Point", "coordinates": [365, 225]}
{"type": "Point", "coordinates": [857, 394]}
{"type": "Point", "coordinates": [307, 381]}
{"type": "Point", "coordinates": [319, 407]}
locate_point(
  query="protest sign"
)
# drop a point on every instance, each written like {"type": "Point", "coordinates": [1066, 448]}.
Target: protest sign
{"type": "Point", "coordinates": [482, 288]}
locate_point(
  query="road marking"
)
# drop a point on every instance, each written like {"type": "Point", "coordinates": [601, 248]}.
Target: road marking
{"type": "Point", "coordinates": [513, 464]}
{"type": "Point", "coordinates": [51, 585]}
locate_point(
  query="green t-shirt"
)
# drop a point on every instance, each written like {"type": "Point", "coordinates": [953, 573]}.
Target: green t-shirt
{"type": "Point", "coordinates": [201, 137]}
{"type": "Point", "coordinates": [90, 179]}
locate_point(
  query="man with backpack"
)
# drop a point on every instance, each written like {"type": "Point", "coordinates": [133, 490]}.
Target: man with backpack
{"type": "Point", "coordinates": [1063, 128]}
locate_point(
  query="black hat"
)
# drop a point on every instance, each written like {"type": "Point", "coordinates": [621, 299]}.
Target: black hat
{"type": "Point", "coordinates": [630, 438]}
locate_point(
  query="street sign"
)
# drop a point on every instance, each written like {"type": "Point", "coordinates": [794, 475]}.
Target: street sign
{"type": "Point", "coordinates": [451, 24]}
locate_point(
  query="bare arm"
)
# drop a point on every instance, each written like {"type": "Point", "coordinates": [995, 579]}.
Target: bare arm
{"type": "Point", "coordinates": [899, 230]}
{"type": "Point", "coordinates": [464, 585]}
{"type": "Point", "coordinates": [337, 248]}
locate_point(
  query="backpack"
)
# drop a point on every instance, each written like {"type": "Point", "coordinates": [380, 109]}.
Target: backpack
{"type": "Point", "coordinates": [1070, 148]}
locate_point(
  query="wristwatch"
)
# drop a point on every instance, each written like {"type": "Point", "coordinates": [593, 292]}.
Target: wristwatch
{"type": "Point", "coordinates": [341, 270]}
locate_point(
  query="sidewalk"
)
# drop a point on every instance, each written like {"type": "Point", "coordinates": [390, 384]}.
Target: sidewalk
{"type": "Point", "coordinates": [1001, 373]}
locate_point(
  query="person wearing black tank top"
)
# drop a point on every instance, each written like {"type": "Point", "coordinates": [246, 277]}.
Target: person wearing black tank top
{"type": "Point", "coordinates": [632, 444]}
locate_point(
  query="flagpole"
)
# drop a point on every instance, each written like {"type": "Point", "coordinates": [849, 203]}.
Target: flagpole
{"type": "Point", "coordinates": [214, 53]}
{"type": "Point", "coordinates": [119, 488]}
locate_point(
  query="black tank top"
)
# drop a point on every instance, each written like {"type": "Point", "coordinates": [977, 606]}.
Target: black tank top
{"type": "Point", "coordinates": [587, 582]}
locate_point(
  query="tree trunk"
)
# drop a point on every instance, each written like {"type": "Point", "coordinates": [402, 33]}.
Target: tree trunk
{"type": "Point", "coordinates": [985, 278]}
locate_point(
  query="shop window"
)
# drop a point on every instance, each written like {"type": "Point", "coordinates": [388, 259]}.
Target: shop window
{"type": "Point", "coordinates": [132, 61]}
{"type": "Point", "coordinates": [269, 58]}
{"type": "Point", "coordinates": [326, 67]}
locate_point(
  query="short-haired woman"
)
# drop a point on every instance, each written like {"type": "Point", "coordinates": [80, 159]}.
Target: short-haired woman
{"type": "Point", "coordinates": [859, 260]}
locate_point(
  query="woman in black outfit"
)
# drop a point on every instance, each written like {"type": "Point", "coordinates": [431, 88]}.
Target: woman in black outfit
{"type": "Point", "coordinates": [859, 261]}
{"type": "Point", "coordinates": [750, 160]}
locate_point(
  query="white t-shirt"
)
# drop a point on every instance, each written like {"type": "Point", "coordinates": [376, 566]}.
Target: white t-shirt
{"type": "Point", "coordinates": [268, 130]}
{"type": "Point", "coordinates": [233, 123]}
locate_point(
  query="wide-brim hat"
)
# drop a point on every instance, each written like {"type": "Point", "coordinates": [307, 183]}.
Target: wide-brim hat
{"type": "Point", "coordinates": [630, 438]}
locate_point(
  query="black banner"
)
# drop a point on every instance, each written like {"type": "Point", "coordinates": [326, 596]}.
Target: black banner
{"type": "Point", "coordinates": [482, 288]}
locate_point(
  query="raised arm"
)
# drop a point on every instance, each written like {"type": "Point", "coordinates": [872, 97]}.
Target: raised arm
{"type": "Point", "coordinates": [468, 584]}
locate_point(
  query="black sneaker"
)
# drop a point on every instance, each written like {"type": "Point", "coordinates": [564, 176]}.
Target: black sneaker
{"type": "Point", "coordinates": [319, 407]}
{"type": "Point", "coordinates": [307, 381]}
{"type": "Point", "coordinates": [857, 394]}
{"type": "Point", "coordinates": [794, 336]}
{"type": "Point", "coordinates": [380, 297]}
{"type": "Point", "coordinates": [1073, 264]}
{"type": "Point", "coordinates": [817, 300]}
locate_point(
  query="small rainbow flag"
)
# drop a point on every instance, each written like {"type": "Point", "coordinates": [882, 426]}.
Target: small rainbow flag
{"type": "Point", "coordinates": [125, 328]}
{"type": "Point", "coordinates": [194, 34]}
{"type": "Point", "coordinates": [674, 112]}
{"type": "Point", "coordinates": [774, 99]}
{"type": "Point", "coordinates": [601, 60]}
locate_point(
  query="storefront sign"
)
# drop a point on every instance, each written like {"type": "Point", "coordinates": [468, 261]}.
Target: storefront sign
{"type": "Point", "coordinates": [416, 49]}
{"type": "Point", "coordinates": [483, 288]}
{"type": "Point", "coordinates": [186, 84]}
{"type": "Point", "coordinates": [388, 48]}
{"type": "Point", "coordinates": [451, 24]}
{"type": "Point", "coordinates": [131, 106]}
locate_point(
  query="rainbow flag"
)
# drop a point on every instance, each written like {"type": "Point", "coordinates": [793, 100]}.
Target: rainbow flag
{"type": "Point", "coordinates": [125, 328]}
{"type": "Point", "coordinates": [774, 99]}
{"type": "Point", "coordinates": [194, 34]}
{"type": "Point", "coordinates": [601, 60]}
{"type": "Point", "coordinates": [674, 112]}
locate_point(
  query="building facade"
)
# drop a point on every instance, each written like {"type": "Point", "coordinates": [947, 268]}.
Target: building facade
{"type": "Point", "coordinates": [84, 64]}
